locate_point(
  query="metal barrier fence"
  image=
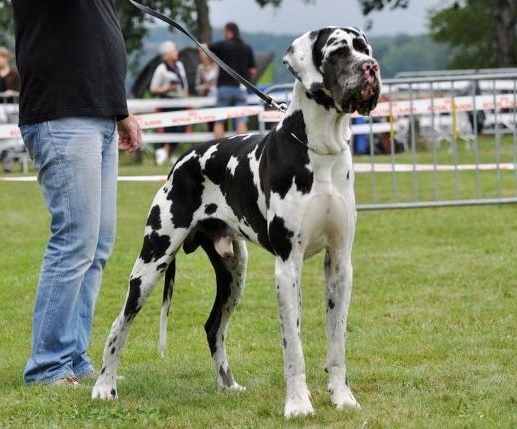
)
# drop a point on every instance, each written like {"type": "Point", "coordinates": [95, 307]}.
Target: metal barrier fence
{"type": "Point", "coordinates": [449, 139]}
{"type": "Point", "coordinates": [453, 142]}
{"type": "Point", "coordinates": [434, 140]}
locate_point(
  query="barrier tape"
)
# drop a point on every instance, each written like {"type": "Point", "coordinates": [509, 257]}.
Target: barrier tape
{"type": "Point", "coordinates": [392, 109]}
{"type": "Point", "coordinates": [198, 116]}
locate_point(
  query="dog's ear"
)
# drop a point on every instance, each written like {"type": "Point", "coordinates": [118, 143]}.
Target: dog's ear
{"type": "Point", "coordinates": [304, 61]}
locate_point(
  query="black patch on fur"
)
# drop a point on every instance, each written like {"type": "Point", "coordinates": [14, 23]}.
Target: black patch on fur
{"type": "Point", "coordinates": [154, 246]}
{"type": "Point", "coordinates": [210, 208]}
{"type": "Point", "coordinates": [321, 98]}
{"type": "Point", "coordinates": [321, 40]}
{"type": "Point", "coordinates": [331, 304]}
{"type": "Point", "coordinates": [154, 220]}
{"type": "Point", "coordinates": [289, 157]}
{"type": "Point", "coordinates": [360, 45]}
{"type": "Point", "coordinates": [168, 287]}
{"type": "Point", "coordinates": [224, 280]}
{"type": "Point", "coordinates": [132, 307]}
{"type": "Point", "coordinates": [280, 238]}
{"type": "Point", "coordinates": [185, 193]}
{"type": "Point", "coordinates": [237, 186]}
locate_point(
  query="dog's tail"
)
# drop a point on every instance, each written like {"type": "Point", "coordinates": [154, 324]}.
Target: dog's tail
{"type": "Point", "coordinates": [168, 288]}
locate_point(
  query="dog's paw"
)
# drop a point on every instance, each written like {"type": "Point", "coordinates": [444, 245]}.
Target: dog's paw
{"type": "Point", "coordinates": [104, 391]}
{"type": "Point", "coordinates": [235, 387]}
{"type": "Point", "coordinates": [342, 397]}
{"type": "Point", "coordinates": [298, 406]}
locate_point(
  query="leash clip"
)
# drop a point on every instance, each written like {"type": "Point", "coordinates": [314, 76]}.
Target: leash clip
{"type": "Point", "coordinates": [281, 107]}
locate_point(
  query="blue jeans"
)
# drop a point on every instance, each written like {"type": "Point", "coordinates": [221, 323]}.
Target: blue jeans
{"type": "Point", "coordinates": [232, 96]}
{"type": "Point", "coordinates": [77, 163]}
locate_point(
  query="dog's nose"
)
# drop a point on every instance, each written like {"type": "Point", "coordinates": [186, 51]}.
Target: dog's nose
{"type": "Point", "coordinates": [371, 67]}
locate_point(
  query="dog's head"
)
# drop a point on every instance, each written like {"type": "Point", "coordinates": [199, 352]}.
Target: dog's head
{"type": "Point", "coordinates": [337, 69]}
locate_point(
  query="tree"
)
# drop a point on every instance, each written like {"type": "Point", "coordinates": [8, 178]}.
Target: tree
{"type": "Point", "coordinates": [470, 49]}
{"type": "Point", "coordinates": [505, 12]}
{"type": "Point", "coordinates": [372, 5]}
{"type": "Point", "coordinates": [135, 25]}
{"type": "Point", "coordinates": [481, 33]}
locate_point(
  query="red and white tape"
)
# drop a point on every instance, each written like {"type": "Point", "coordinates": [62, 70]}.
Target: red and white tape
{"type": "Point", "coordinates": [392, 109]}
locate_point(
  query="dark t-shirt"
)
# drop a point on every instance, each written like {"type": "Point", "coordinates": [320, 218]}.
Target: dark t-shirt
{"type": "Point", "coordinates": [71, 58]}
{"type": "Point", "coordinates": [238, 55]}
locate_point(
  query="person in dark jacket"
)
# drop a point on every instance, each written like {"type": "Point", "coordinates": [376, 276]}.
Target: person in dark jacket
{"type": "Point", "coordinates": [239, 56]}
{"type": "Point", "coordinates": [71, 58]}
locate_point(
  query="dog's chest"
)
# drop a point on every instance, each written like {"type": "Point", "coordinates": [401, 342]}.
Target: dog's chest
{"type": "Point", "coordinates": [330, 209]}
{"type": "Point", "coordinates": [325, 213]}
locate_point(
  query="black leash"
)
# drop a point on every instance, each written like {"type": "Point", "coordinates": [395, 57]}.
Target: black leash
{"type": "Point", "coordinates": [269, 101]}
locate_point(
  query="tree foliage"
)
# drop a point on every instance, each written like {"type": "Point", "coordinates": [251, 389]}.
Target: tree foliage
{"type": "Point", "coordinates": [368, 6]}
{"type": "Point", "coordinates": [481, 33]}
{"type": "Point", "coordinates": [470, 31]}
{"type": "Point", "coordinates": [135, 24]}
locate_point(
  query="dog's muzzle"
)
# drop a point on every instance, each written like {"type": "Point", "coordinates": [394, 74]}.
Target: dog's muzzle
{"type": "Point", "coordinates": [359, 87]}
{"type": "Point", "coordinates": [366, 95]}
{"type": "Point", "coordinates": [371, 80]}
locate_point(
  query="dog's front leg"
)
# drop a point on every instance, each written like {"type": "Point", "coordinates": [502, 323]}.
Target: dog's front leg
{"type": "Point", "coordinates": [338, 277]}
{"type": "Point", "coordinates": [288, 284]}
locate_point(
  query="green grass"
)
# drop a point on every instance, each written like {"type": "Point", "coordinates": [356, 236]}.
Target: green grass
{"type": "Point", "coordinates": [431, 340]}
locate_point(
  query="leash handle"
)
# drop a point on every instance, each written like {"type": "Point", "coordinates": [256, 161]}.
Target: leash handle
{"type": "Point", "coordinates": [269, 101]}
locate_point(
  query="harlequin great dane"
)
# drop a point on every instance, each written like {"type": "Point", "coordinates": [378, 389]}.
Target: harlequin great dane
{"type": "Point", "coordinates": [290, 191]}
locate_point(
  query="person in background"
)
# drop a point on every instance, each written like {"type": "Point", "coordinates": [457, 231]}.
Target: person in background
{"type": "Point", "coordinates": [207, 73]}
{"type": "Point", "coordinates": [9, 89]}
{"type": "Point", "coordinates": [73, 119]}
{"type": "Point", "coordinates": [239, 56]}
{"type": "Point", "coordinates": [9, 78]}
{"type": "Point", "coordinates": [169, 80]}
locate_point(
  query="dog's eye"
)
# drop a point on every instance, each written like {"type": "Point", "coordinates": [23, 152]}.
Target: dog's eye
{"type": "Point", "coordinates": [360, 45]}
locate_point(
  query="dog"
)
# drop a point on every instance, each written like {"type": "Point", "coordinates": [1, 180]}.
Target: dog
{"type": "Point", "coordinates": [290, 191]}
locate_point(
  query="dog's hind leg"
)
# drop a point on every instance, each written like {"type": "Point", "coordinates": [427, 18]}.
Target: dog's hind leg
{"type": "Point", "coordinates": [338, 276]}
{"type": "Point", "coordinates": [168, 288]}
{"type": "Point", "coordinates": [230, 277]}
{"type": "Point", "coordinates": [158, 252]}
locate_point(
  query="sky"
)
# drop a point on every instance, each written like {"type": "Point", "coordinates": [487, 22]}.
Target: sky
{"type": "Point", "coordinates": [295, 17]}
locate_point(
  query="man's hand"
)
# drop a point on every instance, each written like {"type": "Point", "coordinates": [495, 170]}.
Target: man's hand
{"type": "Point", "coordinates": [129, 134]}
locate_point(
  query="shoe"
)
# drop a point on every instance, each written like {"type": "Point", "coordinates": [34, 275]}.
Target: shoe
{"type": "Point", "coordinates": [68, 381]}
{"type": "Point", "coordinates": [161, 156]}
{"type": "Point", "coordinates": [92, 375]}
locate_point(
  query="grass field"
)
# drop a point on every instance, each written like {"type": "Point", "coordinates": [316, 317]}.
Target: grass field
{"type": "Point", "coordinates": [432, 329]}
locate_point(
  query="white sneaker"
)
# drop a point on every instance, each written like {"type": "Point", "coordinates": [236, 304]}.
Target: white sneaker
{"type": "Point", "coordinates": [161, 156]}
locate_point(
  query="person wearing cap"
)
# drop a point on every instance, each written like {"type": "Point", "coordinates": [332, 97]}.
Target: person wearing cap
{"type": "Point", "coordinates": [169, 80]}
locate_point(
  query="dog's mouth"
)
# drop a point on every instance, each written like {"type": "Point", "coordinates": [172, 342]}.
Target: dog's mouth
{"type": "Point", "coordinates": [363, 94]}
